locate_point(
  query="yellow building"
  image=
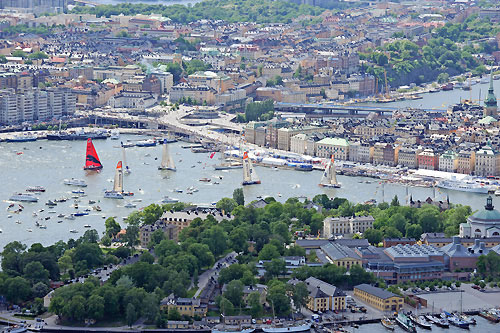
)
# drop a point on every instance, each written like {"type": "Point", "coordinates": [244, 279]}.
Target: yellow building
{"type": "Point", "coordinates": [186, 306]}
{"type": "Point", "coordinates": [323, 296]}
{"type": "Point", "coordinates": [380, 299]}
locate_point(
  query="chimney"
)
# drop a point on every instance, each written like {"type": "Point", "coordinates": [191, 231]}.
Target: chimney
{"type": "Point", "coordinates": [456, 240]}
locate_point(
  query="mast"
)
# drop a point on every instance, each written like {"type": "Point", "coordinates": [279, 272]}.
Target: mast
{"type": "Point", "coordinates": [118, 184]}
{"type": "Point", "coordinates": [249, 174]}
{"type": "Point", "coordinates": [127, 170]}
{"type": "Point", "coordinates": [167, 162]}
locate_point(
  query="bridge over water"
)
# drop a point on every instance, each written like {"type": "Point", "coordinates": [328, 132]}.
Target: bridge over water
{"type": "Point", "coordinates": [327, 109]}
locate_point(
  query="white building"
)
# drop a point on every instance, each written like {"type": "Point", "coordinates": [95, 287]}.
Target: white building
{"type": "Point", "coordinates": [346, 225]}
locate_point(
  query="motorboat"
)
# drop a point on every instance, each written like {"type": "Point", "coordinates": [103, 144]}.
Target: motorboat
{"type": "Point", "coordinates": [388, 323]}
{"type": "Point", "coordinates": [27, 197]}
{"type": "Point", "coordinates": [87, 226]}
{"type": "Point", "coordinates": [113, 195]}
{"type": "Point", "coordinates": [51, 203]}
{"type": "Point", "coordinates": [440, 322]}
{"type": "Point", "coordinates": [420, 321]}
{"type": "Point", "coordinates": [130, 205]}
{"type": "Point", "coordinates": [78, 192]}
{"type": "Point", "coordinates": [146, 143]}
{"type": "Point", "coordinates": [70, 217]}
{"type": "Point", "coordinates": [115, 134]}
{"type": "Point", "coordinates": [73, 231]}
{"type": "Point", "coordinates": [405, 323]}
{"type": "Point", "coordinates": [166, 199]}
{"type": "Point", "coordinates": [80, 213]}
{"type": "Point", "coordinates": [206, 180]}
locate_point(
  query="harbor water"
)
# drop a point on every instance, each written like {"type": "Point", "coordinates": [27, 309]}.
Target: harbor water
{"type": "Point", "coordinates": [48, 163]}
{"type": "Point", "coordinates": [482, 326]}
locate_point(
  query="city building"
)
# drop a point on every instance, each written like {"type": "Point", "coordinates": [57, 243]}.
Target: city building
{"type": "Point", "coordinates": [322, 296]}
{"type": "Point", "coordinates": [360, 152]}
{"type": "Point", "coordinates": [338, 147]}
{"type": "Point", "coordinates": [487, 162]}
{"type": "Point", "coordinates": [378, 298]}
{"type": "Point", "coordinates": [407, 157]}
{"type": "Point", "coordinates": [200, 94]}
{"type": "Point", "coordinates": [466, 162]}
{"type": "Point", "coordinates": [484, 223]}
{"type": "Point", "coordinates": [336, 226]}
{"type": "Point", "coordinates": [448, 161]}
{"type": "Point", "coordinates": [428, 160]}
{"type": "Point", "coordinates": [145, 232]}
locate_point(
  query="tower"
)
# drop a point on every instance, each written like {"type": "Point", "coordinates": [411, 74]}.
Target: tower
{"type": "Point", "coordinates": [490, 102]}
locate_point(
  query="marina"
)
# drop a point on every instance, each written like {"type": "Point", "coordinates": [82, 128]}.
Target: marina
{"type": "Point", "coordinates": [37, 167]}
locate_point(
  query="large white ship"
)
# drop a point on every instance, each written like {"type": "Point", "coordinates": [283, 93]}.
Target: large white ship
{"type": "Point", "coordinates": [465, 185]}
{"type": "Point", "coordinates": [23, 197]}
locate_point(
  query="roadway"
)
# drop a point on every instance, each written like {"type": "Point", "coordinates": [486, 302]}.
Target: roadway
{"type": "Point", "coordinates": [213, 272]}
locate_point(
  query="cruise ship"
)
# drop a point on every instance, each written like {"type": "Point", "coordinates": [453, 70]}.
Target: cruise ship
{"type": "Point", "coordinates": [23, 197]}
{"type": "Point", "coordinates": [465, 185]}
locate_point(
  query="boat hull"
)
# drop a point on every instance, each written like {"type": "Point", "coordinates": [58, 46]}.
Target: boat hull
{"type": "Point", "coordinates": [91, 168]}
{"type": "Point", "coordinates": [330, 185]}
{"type": "Point", "coordinates": [168, 169]}
{"type": "Point", "coordinates": [229, 167]}
{"type": "Point", "coordinates": [113, 195]}
{"type": "Point", "coordinates": [245, 183]}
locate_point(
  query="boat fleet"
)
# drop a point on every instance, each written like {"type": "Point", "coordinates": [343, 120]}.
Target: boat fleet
{"type": "Point", "coordinates": [409, 321]}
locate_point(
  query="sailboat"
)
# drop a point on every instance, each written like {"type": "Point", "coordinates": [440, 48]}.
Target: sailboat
{"type": "Point", "coordinates": [167, 163]}
{"type": "Point", "coordinates": [127, 169]}
{"type": "Point", "coordinates": [92, 161]}
{"type": "Point", "coordinates": [117, 192]}
{"type": "Point", "coordinates": [226, 165]}
{"type": "Point", "coordinates": [249, 175]}
{"type": "Point", "coordinates": [329, 178]}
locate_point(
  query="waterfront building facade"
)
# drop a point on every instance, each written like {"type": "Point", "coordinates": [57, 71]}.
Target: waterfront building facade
{"type": "Point", "coordinates": [380, 299]}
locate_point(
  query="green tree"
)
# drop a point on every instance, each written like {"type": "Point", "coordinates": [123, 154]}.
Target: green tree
{"type": "Point", "coordinates": [226, 307]}
{"type": "Point", "coordinates": [112, 227]}
{"type": "Point", "coordinates": [3, 59]}
{"type": "Point", "coordinates": [35, 272]}
{"type": "Point", "coordinates": [255, 305]}
{"type": "Point", "coordinates": [300, 295]}
{"type": "Point", "coordinates": [131, 315]}
{"type": "Point", "coordinates": [275, 267]}
{"type": "Point", "coordinates": [373, 236]}
{"type": "Point", "coordinates": [395, 201]}
{"type": "Point", "coordinates": [234, 292]}
{"type": "Point", "coordinates": [40, 289]}
{"type": "Point", "coordinates": [269, 252]}
{"type": "Point", "coordinates": [95, 307]}
{"type": "Point", "coordinates": [239, 197]}
{"type": "Point", "coordinates": [443, 78]}
{"type": "Point", "coordinates": [131, 237]}
{"type": "Point", "coordinates": [226, 205]}
{"type": "Point", "coordinates": [277, 297]}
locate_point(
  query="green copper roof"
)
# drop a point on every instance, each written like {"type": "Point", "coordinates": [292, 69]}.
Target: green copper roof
{"type": "Point", "coordinates": [488, 214]}
{"type": "Point", "coordinates": [491, 100]}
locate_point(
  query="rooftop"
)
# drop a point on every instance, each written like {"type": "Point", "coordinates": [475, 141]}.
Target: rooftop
{"type": "Point", "coordinates": [380, 293]}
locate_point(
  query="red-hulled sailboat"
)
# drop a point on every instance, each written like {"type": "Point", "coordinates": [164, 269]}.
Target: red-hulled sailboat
{"type": "Point", "coordinates": [92, 161]}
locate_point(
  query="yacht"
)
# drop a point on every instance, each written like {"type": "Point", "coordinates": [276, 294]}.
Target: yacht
{"type": "Point", "coordinates": [73, 231]}
{"type": "Point", "coordinates": [75, 182]}
{"type": "Point", "coordinates": [115, 134]}
{"type": "Point", "coordinates": [35, 189]}
{"type": "Point", "coordinates": [23, 197]}
{"type": "Point", "coordinates": [113, 195]}
{"type": "Point", "coordinates": [464, 185]}
{"type": "Point", "coordinates": [166, 199]}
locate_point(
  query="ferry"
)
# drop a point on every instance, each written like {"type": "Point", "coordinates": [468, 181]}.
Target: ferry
{"type": "Point", "coordinates": [28, 197]}
{"type": "Point", "coordinates": [75, 182]}
{"type": "Point", "coordinates": [298, 328]}
{"type": "Point", "coordinates": [22, 138]}
{"type": "Point", "coordinates": [465, 185]}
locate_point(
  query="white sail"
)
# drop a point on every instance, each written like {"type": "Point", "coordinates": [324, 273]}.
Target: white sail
{"type": "Point", "coordinates": [125, 165]}
{"type": "Point", "coordinates": [167, 162]}
{"type": "Point", "coordinates": [249, 174]}
{"type": "Point", "coordinates": [118, 184]}
{"type": "Point", "coordinates": [329, 177]}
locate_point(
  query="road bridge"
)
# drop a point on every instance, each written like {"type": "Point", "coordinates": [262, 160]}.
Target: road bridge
{"type": "Point", "coordinates": [327, 109]}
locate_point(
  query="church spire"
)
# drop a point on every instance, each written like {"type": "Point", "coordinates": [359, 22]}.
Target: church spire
{"type": "Point", "coordinates": [491, 101]}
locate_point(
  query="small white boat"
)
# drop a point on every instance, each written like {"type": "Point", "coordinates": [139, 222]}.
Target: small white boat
{"type": "Point", "coordinates": [73, 231]}
{"type": "Point", "coordinates": [130, 205]}
{"type": "Point", "coordinates": [42, 226]}
{"type": "Point", "coordinates": [87, 226]}
{"type": "Point", "coordinates": [497, 192]}
{"type": "Point", "coordinates": [115, 134]}
{"type": "Point", "coordinates": [18, 222]}
{"type": "Point", "coordinates": [167, 199]}
{"type": "Point", "coordinates": [29, 230]}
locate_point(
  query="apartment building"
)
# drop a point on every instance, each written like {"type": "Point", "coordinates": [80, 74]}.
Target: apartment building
{"type": "Point", "coordinates": [466, 161]}
{"type": "Point", "coordinates": [487, 162]}
{"type": "Point", "coordinates": [338, 147]}
{"type": "Point", "coordinates": [448, 161]}
{"type": "Point", "coordinates": [360, 152]}
{"type": "Point", "coordinates": [333, 226]}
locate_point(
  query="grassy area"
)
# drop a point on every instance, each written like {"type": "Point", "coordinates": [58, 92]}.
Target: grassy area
{"type": "Point", "coordinates": [191, 292]}
{"type": "Point", "coordinates": [25, 317]}
{"type": "Point", "coordinates": [213, 313]}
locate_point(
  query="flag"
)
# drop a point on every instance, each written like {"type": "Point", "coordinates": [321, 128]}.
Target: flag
{"type": "Point", "coordinates": [212, 155]}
